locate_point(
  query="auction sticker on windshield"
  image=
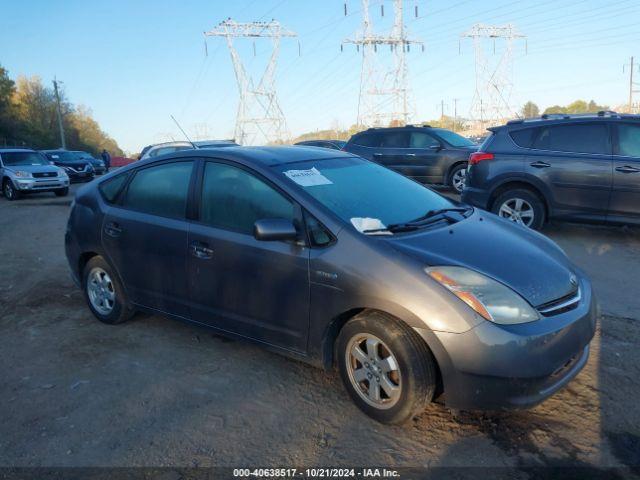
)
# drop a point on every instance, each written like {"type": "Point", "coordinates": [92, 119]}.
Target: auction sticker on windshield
{"type": "Point", "coordinates": [308, 178]}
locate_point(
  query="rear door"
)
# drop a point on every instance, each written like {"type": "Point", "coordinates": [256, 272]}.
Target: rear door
{"type": "Point", "coordinates": [257, 289]}
{"type": "Point", "coordinates": [421, 160]}
{"type": "Point", "coordinates": [625, 194]}
{"type": "Point", "coordinates": [366, 145]}
{"type": "Point", "coordinates": [574, 161]}
{"type": "Point", "coordinates": [145, 236]}
{"type": "Point", "coordinates": [394, 152]}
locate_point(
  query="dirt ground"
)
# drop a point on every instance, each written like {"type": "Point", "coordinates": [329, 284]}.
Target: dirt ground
{"type": "Point", "coordinates": [155, 392]}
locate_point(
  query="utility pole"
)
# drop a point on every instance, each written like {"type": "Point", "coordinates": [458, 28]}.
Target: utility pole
{"type": "Point", "coordinates": [632, 85]}
{"type": "Point", "coordinates": [455, 114]}
{"type": "Point", "coordinates": [384, 91]}
{"type": "Point", "coordinates": [259, 118]}
{"type": "Point", "coordinates": [59, 110]}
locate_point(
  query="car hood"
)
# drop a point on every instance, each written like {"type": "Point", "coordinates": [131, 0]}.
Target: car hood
{"type": "Point", "coordinates": [32, 168]}
{"type": "Point", "coordinates": [522, 259]}
{"type": "Point", "coordinates": [72, 163]}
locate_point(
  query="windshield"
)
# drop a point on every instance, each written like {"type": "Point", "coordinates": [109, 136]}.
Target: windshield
{"type": "Point", "coordinates": [62, 156]}
{"type": "Point", "coordinates": [84, 155]}
{"type": "Point", "coordinates": [363, 193]}
{"type": "Point", "coordinates": [454, 139]}
{"type": "Point", "coordinates": [23, 158]}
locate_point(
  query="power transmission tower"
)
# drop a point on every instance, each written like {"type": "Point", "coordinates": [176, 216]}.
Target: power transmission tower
{"type": "Point", "coordinates": [259, 118]}
{"type": "Point", "coordinates": [384, 91]}
{"type": "Point", "coordinates": [63, 143]}
{"type": "Point", "coordinates": [494, 77]}
{"type": "Point", "coordinates": [634, 87]}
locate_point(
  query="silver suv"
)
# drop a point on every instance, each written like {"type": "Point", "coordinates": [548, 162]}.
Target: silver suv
{"type": "Point", "coordinates": [25, 171]}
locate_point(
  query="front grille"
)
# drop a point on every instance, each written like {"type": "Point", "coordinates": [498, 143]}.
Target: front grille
{"type": "Point", "coordinates": [561, 305]}
{"type": "Point", "coordinates": [44, 174]}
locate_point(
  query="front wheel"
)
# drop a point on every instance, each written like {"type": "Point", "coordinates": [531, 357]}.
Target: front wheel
{"type": "Point", "coordinates": [457, 177]}
{"type": "Point", "coordinates": [386, 367]}
{"type": "Point", "coordinates": [62, 192]}
{"type": "Point", "coordinates": [522, 207]}
{"type": "Point", "coordinates": [10, 192]}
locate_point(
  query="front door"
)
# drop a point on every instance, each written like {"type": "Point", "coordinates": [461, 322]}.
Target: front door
{"type": "Point", "coordinates": [625, 194]}
{"type": "Point", "coordinates": [146, 237]}
{"type": "Point", "coordinates": [575, 163]}
{"type": "Point", "coordinates": [257, 289]}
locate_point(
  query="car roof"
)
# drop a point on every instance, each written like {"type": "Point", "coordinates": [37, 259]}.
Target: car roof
{"type": "Point", "coordinates": [15, 150]}
{"type": "Point", "coordinates": [562, 118]}
{"type": "Point", "coordinates": [397, 129]}
{"type": "Point", "coordinates": [264, 156]}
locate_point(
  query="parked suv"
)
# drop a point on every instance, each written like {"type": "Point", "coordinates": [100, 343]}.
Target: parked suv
{"type": "Point", "coordinates": [570, 167]}
{"type": "Point", "coordinates": [335, 260]}
{"type": "Point", "coordinates": [78, 169]}
{"type": "Point", "coordinates": [27, 171]}
{"type": "Point", "coordinates": [428, 155]}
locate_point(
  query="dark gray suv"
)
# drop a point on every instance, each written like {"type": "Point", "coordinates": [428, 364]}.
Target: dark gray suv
{"type": "Point", "coordinates": [335, 260]}
{"type": "Point", "coordinates": [569, 167]}
{"type": "Point", "coordinates": [428, 155]}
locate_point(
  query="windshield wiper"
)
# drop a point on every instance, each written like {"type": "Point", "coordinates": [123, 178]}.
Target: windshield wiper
{"type": "Point", "coordinates": [429, 218]}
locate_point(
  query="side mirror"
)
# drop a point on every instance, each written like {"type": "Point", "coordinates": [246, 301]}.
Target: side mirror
{"type": "Point", "coordinates": [270, 229]}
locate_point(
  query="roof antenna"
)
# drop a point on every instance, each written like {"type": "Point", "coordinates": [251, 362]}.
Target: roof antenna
{"type": "Point", "coordinates": [184, 133]}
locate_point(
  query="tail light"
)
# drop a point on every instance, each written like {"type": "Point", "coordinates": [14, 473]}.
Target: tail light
{"type": "Point", "coordinates": [477, 157]}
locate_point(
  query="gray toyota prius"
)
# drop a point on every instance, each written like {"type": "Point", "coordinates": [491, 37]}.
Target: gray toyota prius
{"type": "Point", "coordinates": [337, 261]}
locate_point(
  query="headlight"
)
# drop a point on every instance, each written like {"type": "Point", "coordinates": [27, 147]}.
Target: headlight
{"type": "Point", "coordinates": [61, 172]}
{"type": "Point", "coordinates": [490, 299]}
{"type": "Point", "coordinates": [22, 174]}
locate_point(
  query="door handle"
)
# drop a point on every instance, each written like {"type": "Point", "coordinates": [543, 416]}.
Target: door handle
{"type": "Point", "coordinates": [411, 154]}
{"type": "Point", "coordinates": [377, 154]}
{"type": "Point", "coordinates": [628, 169]}
{"type": "Point", "coordinates": [201, 250]}
{"type": "Point", "coordinates": [113, 229]}
{"type": "Point", "coordinates": [540, 164]}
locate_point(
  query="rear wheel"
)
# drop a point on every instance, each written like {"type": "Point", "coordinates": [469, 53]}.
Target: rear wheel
{"type": "Point", "coordinates": [522, 207]}
{"type": "Point", "coordinates": [386, 367]}
{"type": "Point", "coordinates": [104, 293]}
{"type": "Point", "coordinates": [9, 190]}
{"type": "Point", "coordinates": [62, 192]}
{"type": "Point", "coordinates": [457, 177]}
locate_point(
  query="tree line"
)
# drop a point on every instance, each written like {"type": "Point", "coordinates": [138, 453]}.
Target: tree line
{"type": "Point", "coordinates": [28, 118]}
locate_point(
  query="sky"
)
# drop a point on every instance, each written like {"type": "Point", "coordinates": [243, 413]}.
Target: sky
{"type": "Point", "coordinates": [136, 62]}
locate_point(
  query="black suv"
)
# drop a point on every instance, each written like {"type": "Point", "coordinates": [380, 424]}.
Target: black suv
{"type": "Point", "coordinates": [78, 169]}
{"type": "Point", "coordinates": [572, 167]}
{"type": "Point", "coordinates": [426, 154]}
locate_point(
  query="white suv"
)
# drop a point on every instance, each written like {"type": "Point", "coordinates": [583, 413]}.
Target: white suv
{"type": "Point", "coordinates": [25, 171]}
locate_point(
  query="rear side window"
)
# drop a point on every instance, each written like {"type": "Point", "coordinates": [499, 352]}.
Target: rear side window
{"type": "Point", "coordinates": [111, 188]}
{"type": "Point", "coordinates": [579, 138]}
{"type": "Point", "coordinates": [368, 140]}
{"type": "Point", "coordinates": [522, 138]}
{"type": "Point", "coordinates": [160, 190]}
{"type": "Point", "coordinates": [395, 140]}
{"type": "Point", "coordinates": [234, 199]}
{"type": "Point", "coordinates": [629, 140]}
{"type": "Point", "coordinates": [422, 140]}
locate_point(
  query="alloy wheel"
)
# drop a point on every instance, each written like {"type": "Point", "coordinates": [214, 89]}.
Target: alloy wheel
{"type": "Point", "coordinates": [458, 178]}
{"type": "Point", "coordinates": [517, 210]}
{"type": "Point", "coordinates": [101, 291]}
{"type": "Point", "coordinates": [8, 190]}
{"type": "Point", "coordinates": [373, 371]}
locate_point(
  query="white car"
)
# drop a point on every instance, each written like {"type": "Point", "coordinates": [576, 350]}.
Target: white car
{"type": "Point", "coordinates": [153, 151]}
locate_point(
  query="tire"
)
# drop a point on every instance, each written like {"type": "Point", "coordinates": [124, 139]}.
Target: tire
{"type": "Point", "coordinates": [112, 306]}
{"type": "Point", "coordinates": [531, 214]}
{"type": "Point", "coordinates": [9, 190]}
{"type": "Point", "coordinates": [454, 176]}
{"type": "Point", "coordinates": [414, 376]}
{"type": "Point", "coordinates": [62, 192]}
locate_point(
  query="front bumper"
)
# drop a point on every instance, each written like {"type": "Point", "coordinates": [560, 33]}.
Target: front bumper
{"type": "Point", "coordinates": [40, 184]}
{"type": "Point", "coordinates": [514, 366]}
{"type": "Point", "coordinates": [84, 176]}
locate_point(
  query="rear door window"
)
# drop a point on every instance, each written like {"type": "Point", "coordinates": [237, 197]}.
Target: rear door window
{"type": "Point", "coordinates": [629, 140]}
{"type": "Point", "coordinates": [160, 190]}
{"type": "Point", "coordinates": [395, 140]}
{"type": "Point", "coordinates": [111, 188]}
{"type": "Point", "coordinates": [367, 140]}
{"type": "Point", "coordinates": [523, 137]}
{"type": "Point", "coordinates": [578, 138]}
